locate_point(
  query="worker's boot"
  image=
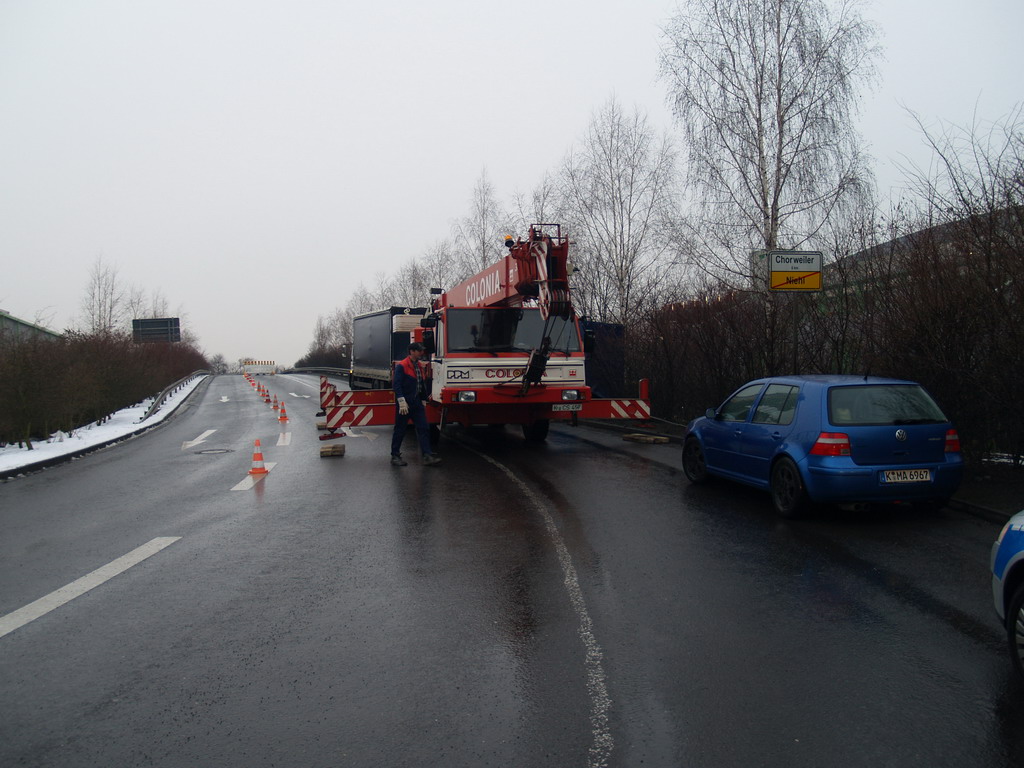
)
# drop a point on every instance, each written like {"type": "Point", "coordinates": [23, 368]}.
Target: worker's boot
{"type": "Point", "coordinates": [398, 461]}
{"type": "Point", "coordinates": [430, 459]}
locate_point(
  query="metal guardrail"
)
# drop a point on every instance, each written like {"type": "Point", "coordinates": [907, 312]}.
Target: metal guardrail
{"type": "Point", "coordinates": [329, 371]}
{"type": "Point", "coordinates": [170, 390]}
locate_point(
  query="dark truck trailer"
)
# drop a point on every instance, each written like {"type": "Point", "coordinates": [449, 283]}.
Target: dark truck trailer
{"type": "Point", "coordinates": [606, 358]}
{"type": "Point", "coordinates": [379, 339]}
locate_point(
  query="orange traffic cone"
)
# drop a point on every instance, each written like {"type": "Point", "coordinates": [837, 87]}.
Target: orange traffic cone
{"type": "Point", "coordinates": [284, 414]}
{"type": "Point", "coordinates": [275, 402]}
{"type": "Point", "coordinates": [266, 395]}
{"type": "Point", "coordinates": [257, 461]}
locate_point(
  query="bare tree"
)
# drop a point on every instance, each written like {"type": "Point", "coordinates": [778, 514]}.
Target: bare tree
{"type": "Point", "coordinates": [618, 197]}
{"type": "Point", "coordinates": [765, 92]}
{"type": "Point", "coordinates": [218, 364]}
{"type": "Point", "coordinates": [441, 266]}
{"type": "Point", "coordinates": [544, 204]}
{"type": "Point", "coordinates": [478, 236]}
{"type": "Point", "coordinates": [962, 278]}
{"type": "Point", "coordinates": [104, 307]}
{"type": "Point", "coordinates": [135, 303]}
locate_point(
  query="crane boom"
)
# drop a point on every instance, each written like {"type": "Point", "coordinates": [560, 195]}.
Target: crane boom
{"type": "Point", "coordinates": [533, 269]}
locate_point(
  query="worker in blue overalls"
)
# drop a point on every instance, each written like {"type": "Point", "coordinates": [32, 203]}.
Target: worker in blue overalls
{"type": "Point", "coordinates": [410, 392]}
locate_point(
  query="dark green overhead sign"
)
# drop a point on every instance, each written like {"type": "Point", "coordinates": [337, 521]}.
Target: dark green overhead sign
{"type": "Point", "coordinates": [156, 329]}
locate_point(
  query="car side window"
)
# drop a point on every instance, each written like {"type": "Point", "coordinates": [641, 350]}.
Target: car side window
{"type": "Point", "coordinates": [777, 406]}
{"type": "Point", "coordinates": [737, 407]}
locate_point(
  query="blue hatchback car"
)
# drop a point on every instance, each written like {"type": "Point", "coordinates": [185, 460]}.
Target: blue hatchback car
{"type": "Point", "coordinates": [846, 440]}
{"type": "Point", "coordinates": [1008, 585]}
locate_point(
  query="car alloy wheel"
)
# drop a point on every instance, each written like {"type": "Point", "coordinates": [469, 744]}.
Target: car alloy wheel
{"type": "Point", "coordinates": [1015, 629]}
{"type": "Point", "coordinates": [788, 493]}
{"type": "Point", "coordinates": [694, 466]}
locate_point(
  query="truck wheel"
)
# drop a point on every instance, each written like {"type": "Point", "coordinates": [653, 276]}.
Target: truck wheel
{"type": "Point", "coordinates": [537, 432]}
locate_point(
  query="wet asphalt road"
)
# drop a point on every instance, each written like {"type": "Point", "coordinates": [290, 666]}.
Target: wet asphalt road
{"type": "Point", "coordinates": [570, 604]}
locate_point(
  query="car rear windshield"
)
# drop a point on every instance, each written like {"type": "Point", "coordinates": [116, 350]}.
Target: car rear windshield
{"type": "Point", "coordinates": [882, 404]}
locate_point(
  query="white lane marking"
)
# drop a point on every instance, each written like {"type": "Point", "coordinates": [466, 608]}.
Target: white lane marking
{"type": "Point", "coordinates": [44, 605]}
{"type": "Point", "coordinates": [251, 480]}
{"type": "Point", "coordinates": [600, 701]}
{"type": "Point", "coordinates": [306, 397]}
{"type": "Point", "coordinates": [371, 436]}
{"type": "Point", "coordinates": [303, 382]}
{"type": "Point", "coordinates": [202, 438]}
{"type": "Point", "coordinates": [285, 438]}
{"type": "Point", "coordinates": [225, 399]}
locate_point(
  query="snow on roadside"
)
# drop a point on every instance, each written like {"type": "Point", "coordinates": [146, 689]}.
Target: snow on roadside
{"type": "Point", "coordinates": [120, 425]}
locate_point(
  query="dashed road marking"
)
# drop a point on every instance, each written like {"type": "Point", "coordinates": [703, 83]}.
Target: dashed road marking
{"type": "Point", "coordinates": [66, 594]}
{"type": "Point", "coordinates": [251, 480]}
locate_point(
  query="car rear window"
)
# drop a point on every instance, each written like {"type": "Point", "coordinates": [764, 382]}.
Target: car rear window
{"type": "Point", "coordinates": [882, 404]}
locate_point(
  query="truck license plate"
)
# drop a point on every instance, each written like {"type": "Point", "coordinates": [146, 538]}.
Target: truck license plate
{"type": "Point", "coordinates": [567, 407]}
{"type": "Point", "coordinates": [907, 475]}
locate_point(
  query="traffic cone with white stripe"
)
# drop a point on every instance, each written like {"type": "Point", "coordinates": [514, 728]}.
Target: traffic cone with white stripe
{"type": "Point", "coordinates": [284, 415]}
{"type": "Point", "coordinates": [257, 461]}
{"type": "Point", "coordinates": [275, 403]}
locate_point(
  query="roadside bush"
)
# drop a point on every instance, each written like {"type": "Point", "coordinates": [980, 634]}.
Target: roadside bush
{"type": "Point", "coordinates": [62, 384]}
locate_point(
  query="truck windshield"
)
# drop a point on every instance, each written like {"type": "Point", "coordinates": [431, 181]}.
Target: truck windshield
{"type": "Point", "coordinates": [507, 330]}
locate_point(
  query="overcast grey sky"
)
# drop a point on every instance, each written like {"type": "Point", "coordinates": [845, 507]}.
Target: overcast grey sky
{"type": "Point", "coordinates": [254, 161]}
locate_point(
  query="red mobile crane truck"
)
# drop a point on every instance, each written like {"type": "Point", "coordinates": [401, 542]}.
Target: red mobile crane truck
{"type": "Point", "coordinates": [504, 348]}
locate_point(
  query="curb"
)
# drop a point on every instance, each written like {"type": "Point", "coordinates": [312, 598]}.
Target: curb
{"type": "Point", "coordinates": [977, 510]}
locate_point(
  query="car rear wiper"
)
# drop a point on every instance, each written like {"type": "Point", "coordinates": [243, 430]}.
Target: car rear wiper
{"type": "Point", "coordinates": [907, 422]}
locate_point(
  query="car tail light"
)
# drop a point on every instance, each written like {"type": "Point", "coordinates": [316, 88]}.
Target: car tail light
{"type": "Point", "coordinates": [952, 441]}
{"type": "Point", "coordinates": [831, 444]}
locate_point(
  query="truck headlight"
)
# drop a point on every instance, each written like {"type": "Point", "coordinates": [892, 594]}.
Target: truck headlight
{"type": "Point", "coordinates": [570, 394]}
{"type": "Point", "coordinates": [467, 397]}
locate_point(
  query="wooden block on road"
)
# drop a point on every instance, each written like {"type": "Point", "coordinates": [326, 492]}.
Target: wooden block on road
{"type": "Point", "coordinates": [336, 449]}
{"type": "Point", "coordinates": [637, 437]}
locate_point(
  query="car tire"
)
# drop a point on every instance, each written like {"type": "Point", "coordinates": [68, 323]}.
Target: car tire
{"type": "Point", "coordinates": [789, 497]}
{"type": "Point", "coordinates": [1015, 629]}
{"type": "Point", "coordinates": [694, 466]}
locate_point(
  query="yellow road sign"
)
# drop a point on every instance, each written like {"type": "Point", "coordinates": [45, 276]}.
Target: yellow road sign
{"type": "Point", "coordinates": [794, 270]}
